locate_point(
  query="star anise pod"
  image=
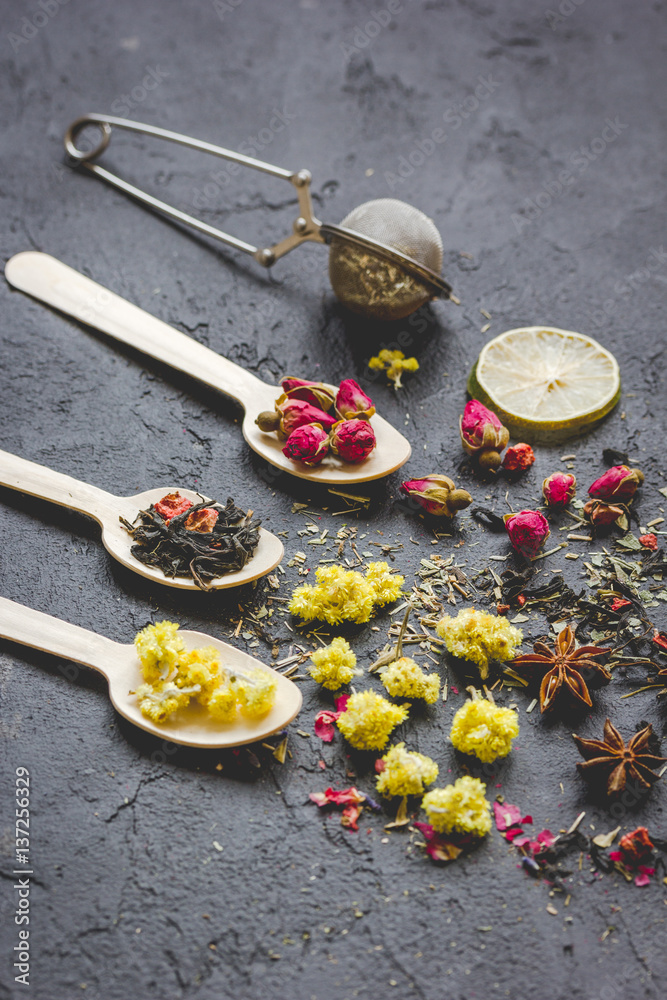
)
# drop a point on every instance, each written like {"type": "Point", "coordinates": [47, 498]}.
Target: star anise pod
{"type": "Point", "coordinates": [561, 668]}
{"type": "Point", "coordinates": [617, 761]}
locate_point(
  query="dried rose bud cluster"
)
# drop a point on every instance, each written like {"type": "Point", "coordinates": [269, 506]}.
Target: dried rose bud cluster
{"type": "Point", "coordinates": [316, 419]}
{"type": "Point", "coordinates": [484, 437]}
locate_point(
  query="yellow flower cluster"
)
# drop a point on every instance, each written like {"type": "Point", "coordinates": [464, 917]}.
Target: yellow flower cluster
{"type": "Point", "coordinates": [479, 637]}
{"type": "Point", "coordinates": [334, 665]}
{"type": "Point", "coordinates": [160, 648]}
{"type": "Point", "coordinates": [368, 720]}
{"type": "Point", "coordinates": [345, 595]}
{"type": "Point", "coordinates": [405, 679]}
{"type": "Point", "coordinates": [405, 772]}
{"type": "Point", "coordinates": [174, 675]}
{"type": "Point", "coordinates": [461, 807]}
{"type": "Point", "coordinates": [484, 729]}
{"type": "Point", "coordinates": [395, 363]}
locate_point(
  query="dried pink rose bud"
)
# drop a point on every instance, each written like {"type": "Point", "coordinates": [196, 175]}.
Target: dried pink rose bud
{"type": "Point", "coordinates": [308, 444]}
{"type": "Point", "coordinates": [603, 514]}
{"type": "Point", "coordinates": [618, 483]}
{"type": "Point", "coordinates": [559, 488]}
{"type": "Point", "coordinates": [519, 456]}
{"type": "Point", "coordinates": [203, 520]}
{"type": "Point", "coordinates": [352, 401]}
{"type": "Point", "coordinates": [528, 531]}
{"type": "Point", "coordinates": [482, 434]}
{"type": "Point", "coordinates": [352, 440]}
{"type": "Point", "coordinates": [437, 494]}
{"type": "Point", "coordinates": [312, 392]}
{"type": "Point", "coordinates": [292, 413]}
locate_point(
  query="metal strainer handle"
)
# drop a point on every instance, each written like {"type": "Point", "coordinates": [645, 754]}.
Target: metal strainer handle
{"type": "Point", "coordinates": [305, 228]}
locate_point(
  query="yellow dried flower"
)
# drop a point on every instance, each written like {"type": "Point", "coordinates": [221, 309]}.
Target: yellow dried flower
{"type": "Point", "coordinates": [479, 637]}
{"type": "Point", "coordinates": [368, 720]}
{"type": "Point", "coordinates": [395, 363]}
{"type": "Point", "coordinates": [405, 772]}
{"type": "Point", "coordinates": [405, 679]}
{"type": "Point", "coordinates": [461, 807]}
{"type": "Point", "coordinates": [256, 698]}
{"type": "Point", "coordinates": [200, 666]}
{"type": "Point", "coordinates": [334, 665]}
{"type": "Point", "coordinates": [175, 675]}
{"type": "Point", "coordinates": [159, 648]}
{"type": "Point", "coordinates": [223, 704]}
{"type": "Point", "coordinates": [345, 595]}
{"type": "Point", "coordinates": [484, 729]}
{"type": "Point", "coordinates": [158, 701]}
{"type": "Point", "coordinates": [386, 585]}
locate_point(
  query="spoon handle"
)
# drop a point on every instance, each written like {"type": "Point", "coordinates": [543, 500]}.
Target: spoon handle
{"type": "Point", "coordinates": [39, 481]}
{"type": "Point", "coordinates": [40, 631]}
{"type": "Point", "coordinates": [60, 286]}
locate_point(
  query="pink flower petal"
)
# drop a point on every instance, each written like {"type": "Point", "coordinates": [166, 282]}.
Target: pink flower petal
{"type": "Point", "coordinates": [324, 725]}
{"type": "Point", "coordinates": [642, 879]}
{"type": "Point", "coordinates": [507, 815]}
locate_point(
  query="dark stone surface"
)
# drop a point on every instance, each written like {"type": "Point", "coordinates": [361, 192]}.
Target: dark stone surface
{"type": "Point", "coordinates": [122, 833]}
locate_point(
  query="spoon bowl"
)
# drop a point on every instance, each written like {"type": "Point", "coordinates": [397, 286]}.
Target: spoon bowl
{"type": "Point", "coordinates": [39, 481]}
{"type": "Point", "coordinates": [60, 286]}
{"type": "Point", "coordinates": [119, 663]}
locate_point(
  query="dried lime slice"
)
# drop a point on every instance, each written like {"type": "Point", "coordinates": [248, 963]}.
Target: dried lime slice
{"type": "Point", "coordinates": [546, 385]}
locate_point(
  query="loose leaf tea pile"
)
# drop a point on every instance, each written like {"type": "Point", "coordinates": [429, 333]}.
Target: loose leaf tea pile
{"type": "Point", "coordinates": [181, 545]}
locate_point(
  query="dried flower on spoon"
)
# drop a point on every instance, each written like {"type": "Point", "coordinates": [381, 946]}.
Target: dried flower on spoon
{"type": "Point", "coordinates": [308, 444]}
{"type": "Point", "coordinates": [173, 676]}
{"type": "Point", "coordinates": [317, 393]}
{"type": "Point", "coordinates": [292, 413]}
{"type": "Point", "coordinates": [352, 440]}
{"type": "Point", "coordinates": [202, 541]}
{"type": "Point", "coordinates": [561, 669]}
{"type": "Point", "coordinates": [301, 414]}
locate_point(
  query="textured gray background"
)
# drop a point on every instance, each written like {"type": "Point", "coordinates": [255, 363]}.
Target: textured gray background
{"type": "Point", "coordinates": [122, 837]}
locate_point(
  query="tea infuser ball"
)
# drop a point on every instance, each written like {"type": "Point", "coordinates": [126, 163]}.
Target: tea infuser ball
{"type": "Point", "coordinates": [379, 288]}
{"type": "Point", "coordinates": [385, 257]}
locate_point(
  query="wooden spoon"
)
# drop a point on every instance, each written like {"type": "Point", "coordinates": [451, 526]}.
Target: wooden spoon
{"type": "Point", "coordinates": [65, 289]}
{"type": "Point", "coordinates": [38, 481]}
{"type": "Point", "coordinates": [119, 663]}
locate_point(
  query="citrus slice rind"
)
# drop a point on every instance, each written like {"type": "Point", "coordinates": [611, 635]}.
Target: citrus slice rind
{"type": "Point", "coordinates": [546, 385]}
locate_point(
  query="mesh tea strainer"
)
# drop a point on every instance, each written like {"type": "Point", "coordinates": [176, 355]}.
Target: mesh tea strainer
{"type": "Point", "coordinates": [385, 257]}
